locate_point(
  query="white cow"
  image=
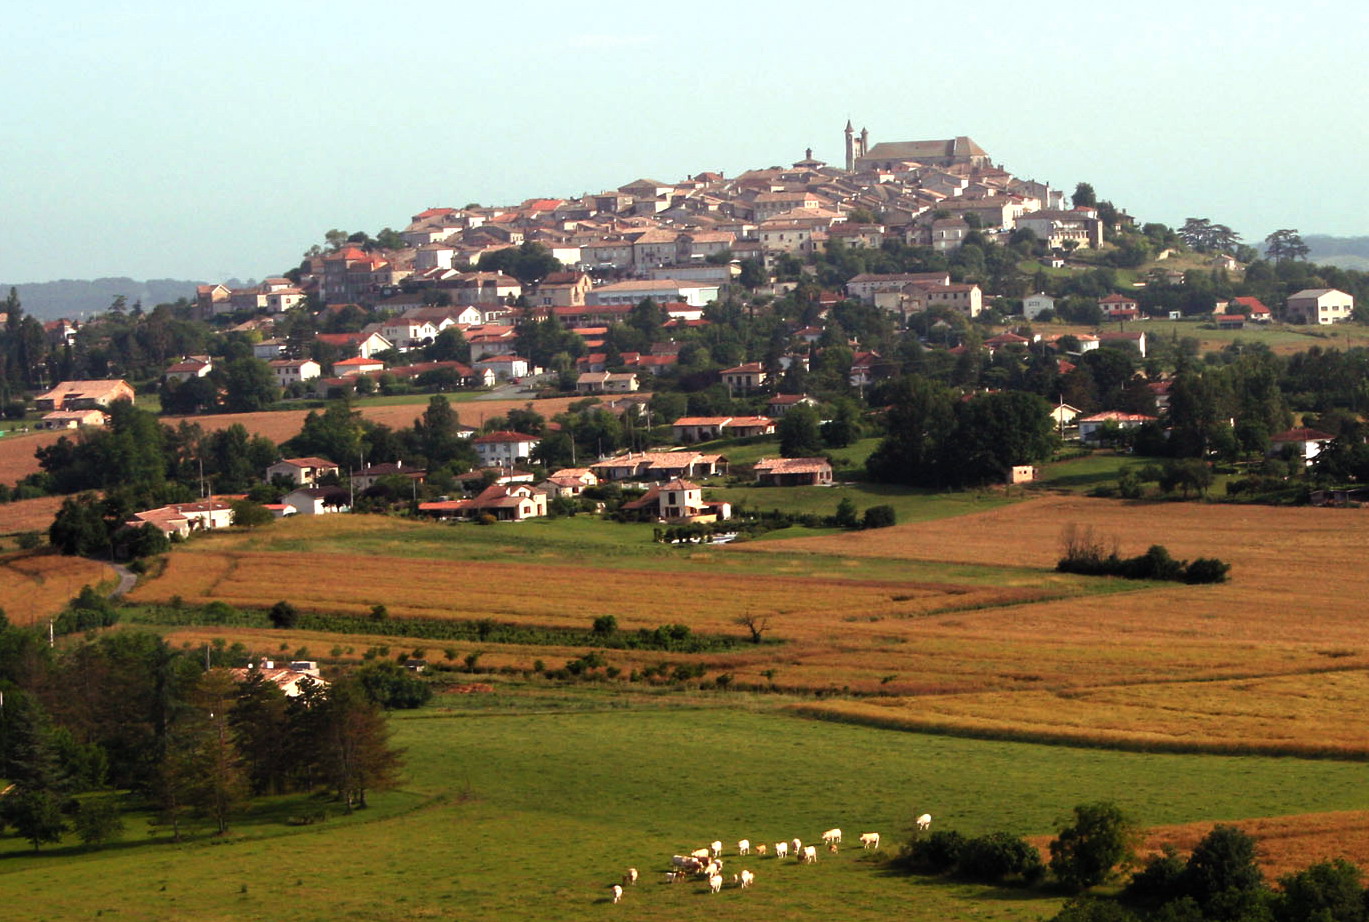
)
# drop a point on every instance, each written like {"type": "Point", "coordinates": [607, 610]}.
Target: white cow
{"type": "Point", "coordinates": [869, 840]}
{"type": "Point", "coordinates": [924, 822]}
{"type": "Point", "coordinates": [747, 878]}
{"type": "Point", "coordinates": [715, 883]}
{"type": "Point", "coordinates": [701, 853]}
{"type": "Point", "coordinates": [617, 892]}
{"type": "Point", "coordinates": [810, 854]}
{"type": "Point", "coordinates": [781, 849]}
{"type": "Point", "coordinates": [796, 846]}
{"type": "Point", "coordinates": [717, 848]}
{"type": "Point", "coordinates": [686, 862]}
{"type": "Point", "coordinates": [744, 847]}
{"type": "Point", "coordinates": [830, 836]}
{"type": "Point", "coordinates": [631, 876]}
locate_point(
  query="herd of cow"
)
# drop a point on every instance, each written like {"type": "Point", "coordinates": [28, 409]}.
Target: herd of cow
{"type": "Point", "coordinates": [707, 863]}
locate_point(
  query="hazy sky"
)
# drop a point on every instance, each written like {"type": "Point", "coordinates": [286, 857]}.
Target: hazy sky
{"type": "Point", "coordinates": [157, 139]}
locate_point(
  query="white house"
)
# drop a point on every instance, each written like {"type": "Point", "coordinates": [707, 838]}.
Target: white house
{"type": "Point", "coordinates": [504, 449]}
{"type": "Point", "coordinates": [1320, 305]}
{"type": "Point", "coordinates": [1034, 306]}
{"type": "Point", "coordinates": [288, 371]}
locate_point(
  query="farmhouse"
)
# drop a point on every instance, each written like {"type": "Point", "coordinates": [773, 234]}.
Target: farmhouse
{"type": "Point", "coordinates": [1320, 305]}
{"type": "Point", "coordinates": [83, 395]}
{"type": "Point", "coordinates": [793, 472]}
{"type": "Point", "coordinates": [368, 475]}
{"type": "Point", "coordinates": [506, 502]}
{"type": "Point", "coordinates": [291, 680]}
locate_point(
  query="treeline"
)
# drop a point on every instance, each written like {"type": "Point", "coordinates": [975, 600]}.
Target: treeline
{"type": "Point", "coordinates": [1087, 554]}
{"type": "Point", "coordinates": [125, 722]}
{"type": "Point", "coordinates": [1220, 879]}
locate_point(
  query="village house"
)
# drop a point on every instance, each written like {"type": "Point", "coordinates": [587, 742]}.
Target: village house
{"type": "Point", "coordinates": [181, 519]}
{"type": "Point", "coordinates": [362, 344]}
{"type": "Point", "coordinates": [504, 449]}
{"type": "Point", "coordinates": [1090, 427]}
{"type": "Point", "coordinates": [357, 366]}
{"type": "Point", "coordinates": [505, 502]}
{"type": "Point", "coordinates": [1123, 340]}
{"type": "Point", "coordinates": [569, 482]}
{"type": "Point", "coordinates": [1300, 442]}
{"type": "Point", "coordinates": [505, 367]}
{"type": "Point", "coordinates": [1034, 306]}
{"type": "Point", "coordinates": [71, 419]}
{"type": "Point", "coordinates": [793, 472]}
{"type": "Point", "coordinates": [603, 382]}
{"type": "Point", "coordinates": [633, 292]}
{"type": "Point", "coordinates": [783, 403]}
{"type": "Point", "coordinates": [659, 465]}
{"type": "Point", "coordinates": [192, 366]}
{"type": "Point", "coordinates": [1120, 307]}
{"type": "Point", "coordinates": [679, 501]}
{"type": "Point", "coordinates": [318, 500]}
{"type": "Point", "coordinates": [744, 378]}
{"type": "Point", "coordinates": [84, 395]}
{"type": "Point", "coordinates": [289, 371]}
{"type": "Point", "coordinates": [292, 680]}
{"type": "Point", "coordinates": [368, 475]}
{"type": "Point", "coordinates": [302, 472]}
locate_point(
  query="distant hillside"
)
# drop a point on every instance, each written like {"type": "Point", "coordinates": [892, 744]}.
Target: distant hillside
{"type": "Point", "coordinates": [75, 298]}
{"type": "Point", "coordinates": [1345, 252]}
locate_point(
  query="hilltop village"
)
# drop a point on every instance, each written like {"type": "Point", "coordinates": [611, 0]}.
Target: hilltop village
{"type": "Point", "coordinates": [806, 304]}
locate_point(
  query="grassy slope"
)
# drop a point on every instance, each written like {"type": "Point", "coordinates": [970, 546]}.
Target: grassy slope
{"type": "Point", "coordinates": [536, 814]}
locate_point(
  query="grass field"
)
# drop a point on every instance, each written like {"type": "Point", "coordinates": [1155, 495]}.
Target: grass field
{"type": "Point", "coordinates": [531, 815]}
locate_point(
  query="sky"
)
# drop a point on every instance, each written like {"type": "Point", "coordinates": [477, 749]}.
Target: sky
{"type": "Point", "coordinates": [158, 139]}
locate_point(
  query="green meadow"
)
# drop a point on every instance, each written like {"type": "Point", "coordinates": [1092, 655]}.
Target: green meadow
{"type": "Point", "coordinates": [532, 809]}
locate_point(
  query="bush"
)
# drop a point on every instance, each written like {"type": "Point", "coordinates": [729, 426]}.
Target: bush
{"type": "Point", "coordinates": [284, 615]}
{"type": "Point", "coordinates": [1159, 880]}
{"type": "Point", "coordinates": [879, 517]}
{"type": "Point", "coordinates": [938, 853]}
{"type": "Point", "coordinates": [998, 856]}
{"type": "Point", "coordinates": [392, 686]}
{"type": "Point", "coordinates": [98, 821]}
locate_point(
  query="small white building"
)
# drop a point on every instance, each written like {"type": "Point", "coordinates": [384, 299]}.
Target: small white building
{"type": "Point", "coordinates": [504, 449]}
{"type": "Point", "coordinates": [1034, 306]}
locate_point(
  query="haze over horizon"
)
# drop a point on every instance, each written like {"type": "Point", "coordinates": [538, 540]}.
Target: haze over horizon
{"type": "Point", "coordinates": [172, 141]}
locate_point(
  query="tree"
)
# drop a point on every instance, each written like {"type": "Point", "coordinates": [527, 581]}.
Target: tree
{"type": "Point", "coordinates": [97, 820]}
{"type": "Point", "coordinates": [800, 433]}
{"type": "Point", "coordinates": [35, 813]}
{"type": "Point", "coordinates": [247, 514]}
{"type": "Point", "coordinates": [355, 743]}
{"type": "Point", "coordinates": [846, 514]}
{"type": "Point", "coordinates": [1085, 853]}
{"type": "Point", "coordinates": [756, 624]}
{"type": "Point", "coordinates": [249, 386]}
{"type": "Point", "coordinates": [1084, 196]}
{"type": "Point", "coordinates": [922, 412]}
{"type": "Point", "coordinates": [1285, 245]}
{"type": "Point", "coordinates": [1330, 890]}
{"type": "Point", "coordinates": [1222, 875]}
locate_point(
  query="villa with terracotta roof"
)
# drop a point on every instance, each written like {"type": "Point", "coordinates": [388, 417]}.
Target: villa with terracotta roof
{"type": "Point", "coordinates": [506, 502]}
{"type": "Point", "coordinates": [679, 500]}
{"type": "Point", "coordinates": [659, 465]}
{"type": "Point", "coordinates": [1089, 426]}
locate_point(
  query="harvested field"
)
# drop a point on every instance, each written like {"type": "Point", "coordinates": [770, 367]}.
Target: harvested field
{"type": "Point", "coordinates": [34, 587]}
{"type": "Point", "coordinates": [28, 514]}
{"type": "Point", "coordinates": [17, 460]}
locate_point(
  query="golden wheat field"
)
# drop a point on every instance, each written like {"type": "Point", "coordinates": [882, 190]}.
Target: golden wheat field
{"type": "Point", "coordinates": [34, 586]}
{"type": "Point", "coordinates": [29, 514]}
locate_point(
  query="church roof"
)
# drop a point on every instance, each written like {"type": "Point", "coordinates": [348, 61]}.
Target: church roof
{"type": "Point", "coordinates": [961, 147]}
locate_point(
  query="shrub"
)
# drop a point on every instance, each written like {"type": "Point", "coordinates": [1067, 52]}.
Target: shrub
{"type": "Point", "coordinates": [392, 686]}
{"type": "Point", "coordinates": [283, 615]}
{"type": "Point", "coordinates": [938, 853]}
{"type": "Point", "coordinates": [998, 856]}
{"type": "Point", "coordinates": [1159, 880]}
{"type": "Point", "coordinates": [879, 517]}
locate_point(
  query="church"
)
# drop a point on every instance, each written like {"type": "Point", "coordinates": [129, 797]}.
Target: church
{"type": "Point", "coordinates": [860, 156]}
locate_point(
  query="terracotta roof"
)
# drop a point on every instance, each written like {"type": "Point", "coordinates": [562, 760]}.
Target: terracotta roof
{"type": "Point", "coordinates": [793, 465]}
{"type": "Point", "coordinates": [1302, 434]}
{"type": "Point", "coordinates": [506, 436]}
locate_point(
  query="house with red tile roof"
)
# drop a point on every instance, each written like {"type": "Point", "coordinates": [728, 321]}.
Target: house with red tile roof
{"type": "Point", "coordinates": [679, 500]}
{"type": "Point", "coordinates": [303, 472]}
{"type": "Point", "coordinates": [504, 449]}
{"type": "Point", "coordinates": [1300, 442]}
{"type": "Point", "coordinates": [1090, 426]}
